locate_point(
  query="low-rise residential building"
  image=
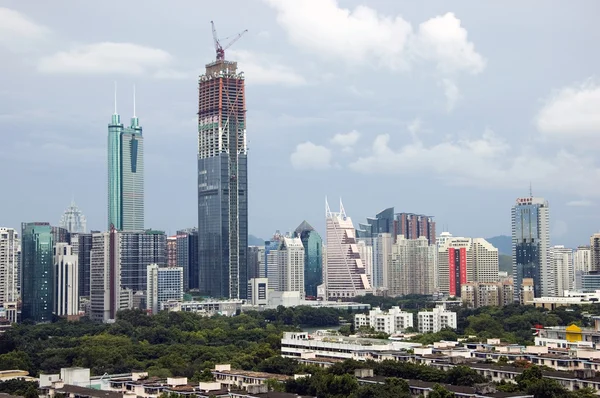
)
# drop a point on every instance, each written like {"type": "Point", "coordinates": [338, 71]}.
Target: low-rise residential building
{"type": "Point", "coordinates": [209, 307]}
{"type": "Point", "coordinates": [483, 294]}
{"type": "Point", "coordinates": [236, 379]}
{"type": "Point", "coordinates": [393, 321]}
{"type": "Point", "coordinates": [436, 320]}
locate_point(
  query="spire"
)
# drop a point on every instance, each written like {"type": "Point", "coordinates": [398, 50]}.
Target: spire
{"type": "Point", "coordinates": [342, 211]}
{"type": "Point", "coordinates": [327, 209]}
{"type": "Point", "coordinates": [116, 98]}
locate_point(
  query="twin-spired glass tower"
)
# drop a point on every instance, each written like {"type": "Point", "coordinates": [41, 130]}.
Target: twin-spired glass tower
{"type": "Point", "coordinates": [125, 174]}
{"type": "Point", "coordinates": [222, 181]}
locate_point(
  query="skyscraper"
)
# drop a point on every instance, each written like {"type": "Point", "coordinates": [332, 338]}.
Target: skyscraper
{"type": "Point", "coordinates": [313, 257]}
{"type": "Point", "coordinates": [10, 247]}
{"type": "Point", "coordinates": [187, 257]}
{"type": "Point", "coordinates": [530, 245]}
{"type": "Point", "coordinates": [66, 281]}
{"type": "Point", "coordinates": [291, 265]}
{"type": "Point", "coordinates": [412, 267]}
{"type": "Point", "coordinates": [345, 271]}
{"type": "Point", "coordinates": [37, 262]}
{"type": "Point", "coordinates": [380, 233]}
{"type": "Point", "coordinates": [412, 226]}
{"type": "Point", "coordinates": [222, 181]}
{"type": "Point", "coordinates": [73, 219]}
{"type": "Point", "coordinates": [137, 250]}
{"type": "Point", "coordinates": [82, 247]}
{"type": "Point", "coordinates": [125, 173]}
{"type": "Point", "coordinates": [560, 261]}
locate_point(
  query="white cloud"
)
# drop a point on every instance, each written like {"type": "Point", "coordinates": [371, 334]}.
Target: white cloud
{"type": "Point", "coordinates": [17, 32]}
{"type": "Point", "coordinates": [108, 58]}
{"type": "Point", "coordinates": [364, 36]}
{"type": "Point", "coordinates": [346, 141]}
{"type": "Point", "coordinates": [309, 156]}
{"type": "Point", "coordinates": [572, 111]}
{"type": "Point", "coordinates": [580, 203]}
{"type": "Point", "coordinates": [487, 161]}
{"type": "Point", "coordinates": [452, 94]}
{"type": "Point", "coordinates": [260, 69]}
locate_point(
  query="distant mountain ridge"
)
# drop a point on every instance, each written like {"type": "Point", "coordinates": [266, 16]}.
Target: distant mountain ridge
{"type": "Point", "coordinates": [503, 243]}
{"type": "Point", "coordinates": [255, 241]}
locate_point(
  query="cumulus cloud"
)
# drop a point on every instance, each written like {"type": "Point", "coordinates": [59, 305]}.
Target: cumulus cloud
{"type": "Point", "coordinates": [571, 112]}
{"type": "Point", "coordinates": [261, 69]}
{"type": "Point", "coordinates": [309, 156]}
{"type": "Point", "coordinates": [346, 141]}
{"type": "Point", "coordinates": [19, 33]}
{"type": "Point", "coordinates": [362, 36]}
{"type": "Point", "coordinates": [486, 161]}
{"type": "Point", "coordinates": [108, 58]}
{"type": "Point", "coordinates": [452, 94]}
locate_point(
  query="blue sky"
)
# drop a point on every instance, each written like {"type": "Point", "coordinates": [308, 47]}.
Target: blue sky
{"type": "Point", "coordinates": [448, 108]}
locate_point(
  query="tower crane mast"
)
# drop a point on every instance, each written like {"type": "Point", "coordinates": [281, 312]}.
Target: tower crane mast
{"type": "Point", "coordinates": [220, 49]}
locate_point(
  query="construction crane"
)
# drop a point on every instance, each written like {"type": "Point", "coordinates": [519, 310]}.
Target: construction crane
{"type": "Point", "coordinates": [218, 47]}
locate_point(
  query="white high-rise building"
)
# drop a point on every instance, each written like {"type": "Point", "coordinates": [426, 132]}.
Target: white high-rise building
{"type": "Point", "coordinates": [411, 267]}
{"type": "Point", "coordinates": [581, 259]}
{"type": "Point", "coordinates": [163, 284]}
{"type": "Point", "coordinates": [561, 264]}
{"type": "Point", "coordinates": [393, 321]}
{"type": "Point", "coordinates": [436, 320]}
{"type": "Point", "coordinates": [291, 265]}
{"type": "Point", "coordinates": [365, 250]}
{"type": "Point", "coordinates": [463, 260]}
{"type": "Point", "coordinates": [73, 220]}
{"type": "Point", "coordinates": [10, 249]}
{"type": "Point", "coordinates": [530, 246]}
{"type": "Point", "coordinates": [66, 276]}
{"type": "Point", "coordinates": [382, 250]}
{"type": "Point", "coordinates": [345, 271]}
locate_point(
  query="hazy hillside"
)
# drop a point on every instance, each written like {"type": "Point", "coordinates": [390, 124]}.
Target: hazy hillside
{"type": "Point", "coordinates": [503, 243]}
{"type": "Point", "coordinates": [254, 241]}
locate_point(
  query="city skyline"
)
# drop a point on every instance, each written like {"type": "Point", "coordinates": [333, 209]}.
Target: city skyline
{"type": "Point", "coordinates": [490, 119]}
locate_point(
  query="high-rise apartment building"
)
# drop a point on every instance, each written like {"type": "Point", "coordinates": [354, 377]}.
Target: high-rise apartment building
{"type": "Point", "coordinates": [412, 226]}
{"type": "Point", "coordinates": [313, 257]}
{"type": "Point", "coordinates": [172, 251]}
{"type": "Point", "coordinates": [164, 284]}
{"type": "Point", "coordinates": [37, 263]}
{"type": "Point", "coordinates": [595, 252]}
{"type": "Point", "coordinates": [82, 247]}
{"type": "Point", "coordinates": [73, 219]}
{"type": "Point", "coordinates": [125, 174]}
{"type": "Point", "coordinates": [106, 295]}
{"type": "Point", "coordinates": [462, 260]}
{"type": "Point", "coordinates": [10, 249]}
{"type": "Point", "coordinates": [138, 250]}
{"type": "Point", "coordinates": [530, 245]}
{"type": "Point", "coordinates": [272, 260]}
{"type": "Point", "coordinates": [345, 271]}
{"type": "Point", "coordinates": [291, 265]}
{"type": "Point", "coordinates": [66, 281]}
{"type": "Point", "coordinates": [582, 259]}
{"type": "Point", "coordinates": [187, 257]}
{"type": "Point", "coordinates": [379, 233]}
{"type": "Point", "coordinates": [412, 267]}
{"type": "Point", "coordinates": [560, 260]}
{"type": "Point", "coordinates": [222, 181]}
{"type": "Point", "coordinates": [484, 294]}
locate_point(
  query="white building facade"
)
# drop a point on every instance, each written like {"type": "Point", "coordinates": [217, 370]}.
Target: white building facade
{"type": "Point", "coordinates": [258, 291]}
{"type": "Point", "coordinates": [66, 276]}
{"type": "Point", "coordinates": [73, 220]}
{"type": "Point", "coordinates": [436, 320]}
{"type": "Point", "coordinates": [291, 265]}
{"type": "Point", "coordinates": [561, 264]}
{"type": "Point", "coordinates": [393, 321]}
{"type": "Point", "coordinates": [163, 284]}
{"type": "Point", "coordinates": [10, 248]}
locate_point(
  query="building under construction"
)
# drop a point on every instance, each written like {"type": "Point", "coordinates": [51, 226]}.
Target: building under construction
{"type": "Point", "coordinates": [222, 178]}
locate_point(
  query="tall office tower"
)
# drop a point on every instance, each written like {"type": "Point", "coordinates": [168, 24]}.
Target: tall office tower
{"type": "Point", "coordinates": [412, 226]}
{"type": "Point", "coordinates": [37, 263]}
{"type": "Point", "coordinates": [66, 281]}
{"type": "Point", "coordinates": [464, 260]}
{"type": "Point", "coordinates": [10, 246]}
{"type": "Point", "coordinates": [73, 219]}
{"type": "Point", "coordinates": [365, 251]}
{"type": "Point", "coordinates": [378, 232]}
{"type": "Point", "coordinates": [412, 267]}
{"type": "Point", "coordinates": [313, 257]}
{"type": "Point", "coordinates": [582, 259]}
{"type": "Point", "coordinates": [187, 257]}
{"type": "Point", "coordinates": [530, 244]}
{"type": "Point", "coordinates": [272, 262]}
{"type": "Point", "coordinates": [595, 252]}
{"type": "Point", "coordinates": [291, 265]}
{"type": "Point", "coordinates": [82, 247]}
{"type": "Point", "coordinates": [560, 260]}
{"type": "Point", "coordinates": [106, 295]}
{"type": "Point", "coordinates": [164, 284]}
{"type": "Point", "coordinates": [125, 173]}
{"type": "Point", "coordinates": [345, 271]}
{"type": "Point", "coordinates": [60, 235]}
{"type": "Point", "coordinates": [172, 251]}
{"type": "Point", "coordinates": [253, 262]}
{"type": "Point", "coordinates": [222, 181]}
{"type": "Point", "coordinates": [382, 250]}
{"type": "Point", "coordinates": [137, 251]}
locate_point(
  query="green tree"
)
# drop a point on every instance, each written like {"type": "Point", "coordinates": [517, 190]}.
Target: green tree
{"type": "Point", "coordinates": [441, 392]}
{"type": "Point", "coordinates": [464, 376]}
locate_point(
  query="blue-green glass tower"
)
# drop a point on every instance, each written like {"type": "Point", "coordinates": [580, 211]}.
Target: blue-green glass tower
{"type": "Point", "coordinates": [125, 174]}
{"type": "Point", "coordinates": [37, 270]}
{"type": "Point", "coordinates": [313, 257]}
